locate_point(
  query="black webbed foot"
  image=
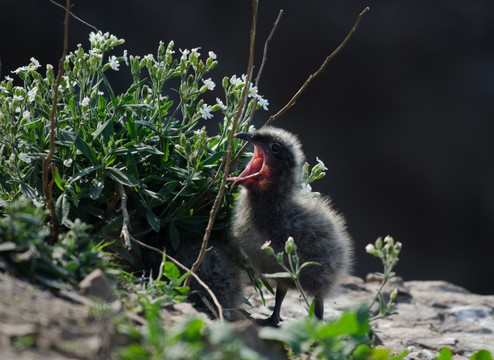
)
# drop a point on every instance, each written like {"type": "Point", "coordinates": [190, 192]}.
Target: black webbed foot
{"type": "Point", "coordinates": [272, 321]}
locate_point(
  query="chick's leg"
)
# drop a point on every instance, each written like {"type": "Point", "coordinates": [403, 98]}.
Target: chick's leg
{"type": "Point", "coordinates": [319, 307]}
{"type": "Point", "coordinates": [275, 317]}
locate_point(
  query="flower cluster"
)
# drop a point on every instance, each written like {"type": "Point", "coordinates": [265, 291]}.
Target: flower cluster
{"type": "Point", "coordinates": [317, 172]}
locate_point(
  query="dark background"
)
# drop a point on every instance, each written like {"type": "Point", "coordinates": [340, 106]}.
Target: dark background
{"type": "Point", "coordinates": [402, 117]}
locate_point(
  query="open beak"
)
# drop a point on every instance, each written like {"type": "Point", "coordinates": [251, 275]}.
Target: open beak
{"type": "Point", "coordinates": [255, 166]}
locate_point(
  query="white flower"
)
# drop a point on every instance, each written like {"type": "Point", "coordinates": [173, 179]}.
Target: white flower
{"type": "Point", "coordinates": [220, 103]}
{"type": "Point", "coordinates": [253, 91]}
{"type": "Point", "coordinates": [49, 67]}
{"type": "Point", "coordinates": [195, 52]}
{"type": "Point", "coordinates": [263, 103]}
{"type": "Point", "coordinates": [17, 98]}
{"type": "Point", "coordinates": [24, 157]}
{"type": "Point", "coordinates": [148, 57]}
{"type": "Point", "coordinates": [209, 83]}
{"type": "Point", "coordinates": [212, 55]}
{"type": "Point", "coordinates": [8, 78]}
{"type": "Point", "coordinates": [38, 204]}
{"type": "Point", "coordinates": [206, 111]}
{"type": "Point", "coordinates": [85, 101]}
{"type": "Point", "coordinates": [19, 69]}
{"type": "Point", "coordinates": [235, 81]}
{"type": "Point", "coordinates": [34, 64]}
{"type": "Point", "coordinates": [125, 57]}
{"type": "Point", "coordinates": [184, 53]}
{"type": "Point", "coordinates": [96, 52]}
{"type": "Point", "coordinates": [96, 38]}
{"type": "Point", "coordinates": [114, 64]}
{"type": "Point", "coordinates": [26, 115]}
{"type": "Point", "coordinates": [321, 164]}
{"type": "Point", "coordinates": [31, 94]}
{"type": "Point", "coordinates": [252, 128]}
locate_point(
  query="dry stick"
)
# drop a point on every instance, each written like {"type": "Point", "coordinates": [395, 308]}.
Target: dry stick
{"type": "Point", "coordinates": [228, 163]}
{"type": "Point", "coordinates": [266, 43]}
{"type": "Point", "coordinates": [313, 76]}
{"type": "Point", "coordinates": [125, 233]}
{"type": "Point", "coordinates": [307, 82]}
{"type": "Point", "coordinates": [258, 77]}
{"type": "Point", "coordinates": [48, 185]}
{"type": "Point", "coordinates": [192, 273]}
{"type": "Point", "coordinates": [75, 17]}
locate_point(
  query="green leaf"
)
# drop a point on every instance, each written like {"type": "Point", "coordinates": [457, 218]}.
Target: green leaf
{"type": "Point", "coordinates": [109, 89]}
{"type": "Point", "coordinates": [96, 187]}
{"type": "Point", "coordinates": [28, 190]}
{"type": "Point", "coordinates": [138, 148]}
{"type": "Point", "coordinates": [309, 263]}
{"type": "Point", "coordinates": [214, 158]}
{"type": "Point", "coordinates": [282, 275]}
{"type": "Point", "coordinates": [57, 179]}
{"type": "Point", "coordinates": [401, 355]}
{"type": "Point", "coordinates": [174, 235]}
{"type": "Point", "coordinates": [84, 148]}
{"type": "Point", "coordinates": [146, 124]}
{"type": "Point", "coordinates": [62, 208]}
{"type": "Point", "coordinates": [121, 177]}
{"type": "Point", "coordinates": [481, 355]}
{"type": "Point", "coordinates": [83, 173]}
{"type": "Point", "coordinates": [100, 128]}
{"type": "Point", "coordinates": [153, 220]}
{"type": "Point", "coordinates": [171, 271]}
{"type": "Point", "coordinates": [445, 354]}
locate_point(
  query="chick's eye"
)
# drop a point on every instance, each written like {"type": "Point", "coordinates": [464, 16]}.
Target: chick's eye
{"type": "Point", "coordinates": [275, 148]}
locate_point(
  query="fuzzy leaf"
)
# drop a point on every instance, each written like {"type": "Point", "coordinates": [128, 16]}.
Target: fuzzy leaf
{"type": "Point", "coordinates": [121, 177]}
{"type": "Point", "coordinates": [96, 187]}
{"type": "Point", "coordinates": [153, 220]}
{"type": "Point", "coordinates": [84, 148]}
{"type": "Point", "coordinates": [174, 235]}
{"type": "Point", "coordinates": [283, 275]}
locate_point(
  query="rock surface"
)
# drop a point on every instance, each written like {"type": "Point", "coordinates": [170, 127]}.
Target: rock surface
{"type": "Point", "coordinates": [431, 315]}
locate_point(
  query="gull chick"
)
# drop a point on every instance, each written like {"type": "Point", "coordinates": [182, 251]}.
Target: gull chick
{"type": "Point", "coordinates": [272, 207]}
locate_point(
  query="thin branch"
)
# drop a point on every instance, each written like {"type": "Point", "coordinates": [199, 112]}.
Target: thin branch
{"type": "Point", "coordinates": [228, 164]}
{"type": "Point", "coordinates": [186, 269]}
{"type": "Point", "coordinates": [74, 16]}
{"type": "Point", "coordinates": [266, 43]}
{"type": "Point", "coordinates": [125, 233]}
{"type": "Point", "coordinates": [48, 185]}
{"type": "Point", "coordinates": [320, 70]}
{"type": "Point", "coordinates": [307, 82]}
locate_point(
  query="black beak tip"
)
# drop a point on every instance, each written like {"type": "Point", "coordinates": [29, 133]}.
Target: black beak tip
{"type": "Point", "coordinates": [244, 136]}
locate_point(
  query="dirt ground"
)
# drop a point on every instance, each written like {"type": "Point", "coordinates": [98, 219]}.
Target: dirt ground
{"type": "Point", "coordinates": [35, 324]}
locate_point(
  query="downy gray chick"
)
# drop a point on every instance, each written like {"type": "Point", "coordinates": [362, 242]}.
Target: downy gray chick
{"type": "Point", "coordinates": [272, 207]}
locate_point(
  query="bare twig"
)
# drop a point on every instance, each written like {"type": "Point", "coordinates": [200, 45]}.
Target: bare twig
{"type": "Point", "coordinates": [309, 79]}
{"type": "Point", "coordinates": [228, 162]}
{"type": "Point", "coordinates": [320, 70]}
{"type": "Point", "coordinates": [266, 43]}
{"type": "Point", "coordinates": [125, 233]}
{"type": "Point", "coordinates": [48, 185]}
{"type": "Point", "coordinates": [258, 78]}
{"type": "Point", "coordinates": [74, 16]}
{"type": "Point", "coordinates": [192, 273]}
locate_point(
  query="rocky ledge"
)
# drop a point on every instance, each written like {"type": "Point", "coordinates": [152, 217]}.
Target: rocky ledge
{"type": "Point", "coordinates": [430, 315]}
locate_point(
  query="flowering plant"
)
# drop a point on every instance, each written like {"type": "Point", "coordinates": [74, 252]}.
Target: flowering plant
{"type": "Point", "coordinates": [149, 143]}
